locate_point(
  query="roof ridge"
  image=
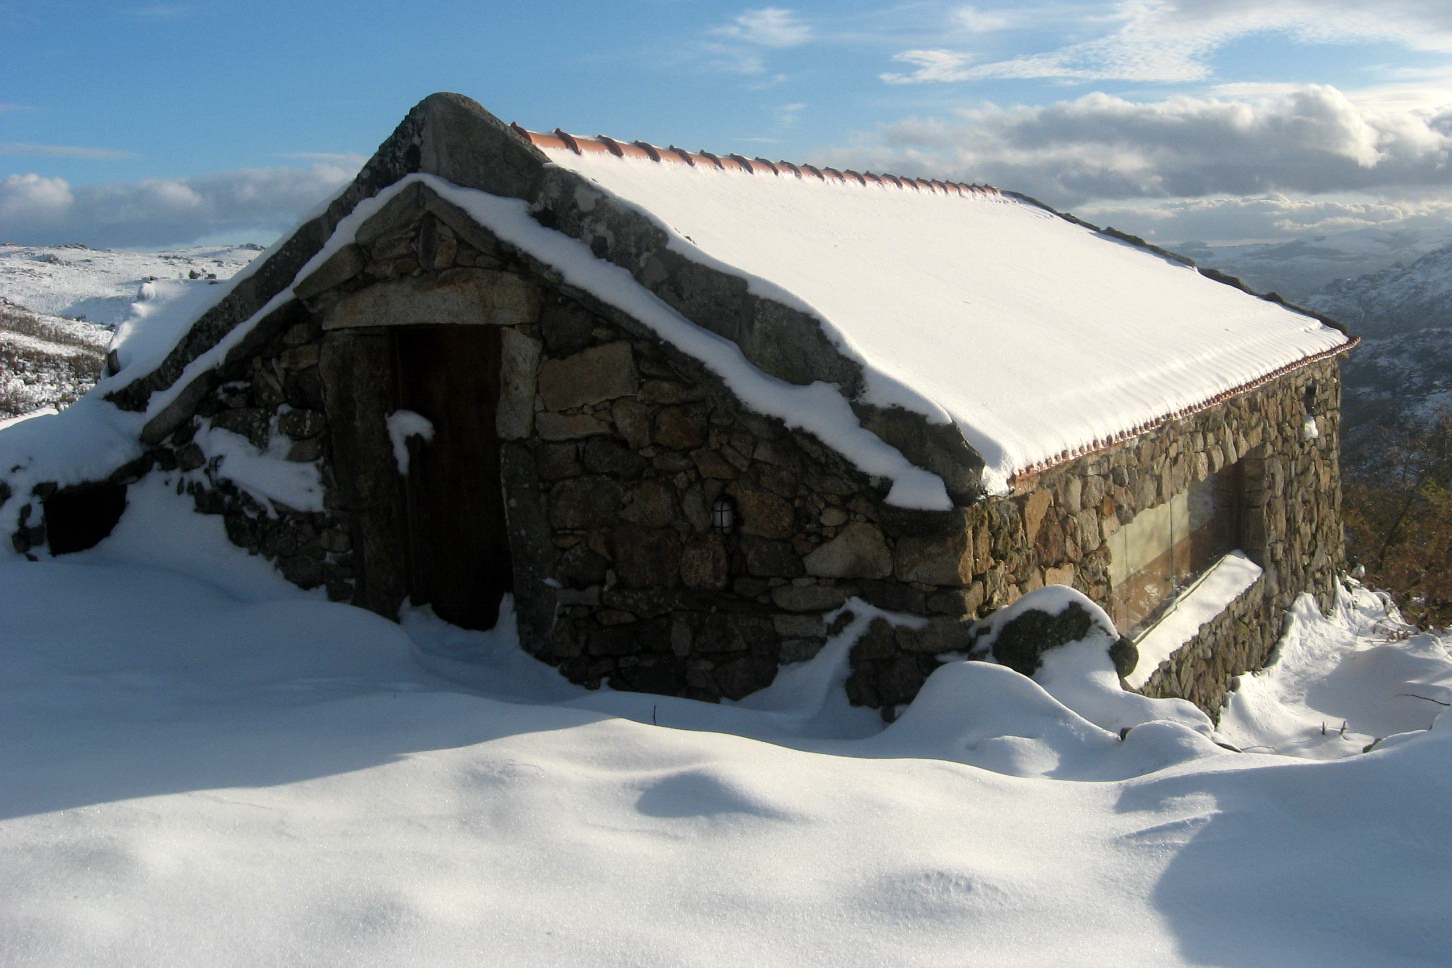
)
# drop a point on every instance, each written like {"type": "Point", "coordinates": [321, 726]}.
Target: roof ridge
{"type": "Point", "coordinates": [600, 144]}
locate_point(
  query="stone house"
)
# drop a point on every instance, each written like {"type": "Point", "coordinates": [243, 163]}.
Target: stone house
{"type": "Point", "coordinates": [682, 407]}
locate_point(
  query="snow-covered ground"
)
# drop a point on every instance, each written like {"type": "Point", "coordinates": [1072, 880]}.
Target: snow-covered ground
{"type": "Point", "coordinates": [100, 285]}
{"type": "Point", "coordinates": [203, 765]}
{"type": "Point", "coordinates": [61, 307]}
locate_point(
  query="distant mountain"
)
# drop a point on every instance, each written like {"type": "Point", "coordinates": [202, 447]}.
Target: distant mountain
{"type": "Point", "coordinates": [1298, 268]}
{"type": "Point", "coordinates": [1400, 299]}
{"type": "Point", "coordinates": [1394, 384]}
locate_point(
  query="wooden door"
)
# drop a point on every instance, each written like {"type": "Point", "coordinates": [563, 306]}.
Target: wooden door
{"type": "Point", "coordinates": [458, 543]}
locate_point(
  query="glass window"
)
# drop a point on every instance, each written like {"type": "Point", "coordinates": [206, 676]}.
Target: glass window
{"type": "Point", "coordinates": [1164, 547]}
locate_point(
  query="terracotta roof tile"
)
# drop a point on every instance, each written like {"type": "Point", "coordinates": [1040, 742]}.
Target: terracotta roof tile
{"type": "Point", "coordinates": [600, 144]}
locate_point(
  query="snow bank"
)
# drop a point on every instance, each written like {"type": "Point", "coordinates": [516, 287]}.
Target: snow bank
{"type": "Point", "coordinates": [266, 475]}
{"type": "Point", "coordinates": [1078, 672]}
{"type": "Point", "coordinates": [1341, 684]}
{"type": "Point", "coordinates": [1033, 334]}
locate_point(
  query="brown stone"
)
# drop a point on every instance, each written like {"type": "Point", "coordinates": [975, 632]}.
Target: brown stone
{"type": "Point", "coordinates": [957, 601]}
{"type": "Point", "coordinates": [652, 505]}
{"type": "Point", "coordinates": [668, 392]}
{"type": "Point", "coordinates": [300, 357]}
{"type": "Point", "coordinates": [705, 566]}
{"type": "Point", "coordinates": [808, 598]}
{"type": "Point", "coordinates": [593, 375]}
{"type": "Point", "coordinates": [455, 296]}
{"type": "Point", "coordinates": [859, 551]}
{"type": "Point", "coordinates": [1049, 545]}
{"type": "Point", "coordinates": [646, 558]}
{"type": "Point", "coordinates": [632, 418]}
{"type": "Point", "coordinates": [770, 559]}
{"type": "Point", "coordinates": [1033, 512]}
{"type": "Point", "coordinates": [944, 560]}
{"type": "Point", "coordinates": [681, 428]}
{"type": "Point", "coordinates": [568, 426]}
{"type": "Point", "coordinates": [710, 464]}
{"type": "Point", "coordinates": [602, 455]}
{"type": "Point", "coordinates": [762, 513]}
{"type": "Point", "coordinates": [584, 503]}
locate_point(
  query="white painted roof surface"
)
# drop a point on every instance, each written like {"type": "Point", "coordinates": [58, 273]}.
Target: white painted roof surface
{"type": "Point", "coordinates": [1033, 334]}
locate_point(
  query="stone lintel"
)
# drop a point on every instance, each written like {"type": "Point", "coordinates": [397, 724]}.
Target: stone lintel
{"type": "Point", "coordinates": [455, 297]}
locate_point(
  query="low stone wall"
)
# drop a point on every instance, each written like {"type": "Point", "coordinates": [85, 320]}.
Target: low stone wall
{"type": "Point", "coordinates": [1240, 639]}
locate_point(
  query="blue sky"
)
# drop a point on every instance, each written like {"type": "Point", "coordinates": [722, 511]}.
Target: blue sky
{"type": "Point", "coordinates": [161, 123]}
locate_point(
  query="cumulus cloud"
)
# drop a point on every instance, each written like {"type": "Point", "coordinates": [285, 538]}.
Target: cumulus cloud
{"type": "Point", "coordinates": [1311, 140]}
{"type": "Point", "coordinates": [1172, 40]}
{"type": "Point", "coordinates": [37, 210]}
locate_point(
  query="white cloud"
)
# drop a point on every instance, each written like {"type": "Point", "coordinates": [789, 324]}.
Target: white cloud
{"type": "Point", "coordinates": [788, 114]}
{"type": "Point", "coordinates": [1171, 40]}
{"type": "Point", "coordinates": [1270, 217]}
{"type": "Point", "coordinates": [976, 21]}
{"type": "Point", "coordinates": [932, 65]}
{"type": "Point", "coordinates": [163, 211]}
{"type": "Point", "coordinates": [769, 27]}
{"type": "Point", "coordinates": [62, 151]}
{"type": "Point", "coordinates": [1309, 140]}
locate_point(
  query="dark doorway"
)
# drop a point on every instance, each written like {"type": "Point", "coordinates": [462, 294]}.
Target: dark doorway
{"type": "Point", "coordinates": [458, 542]}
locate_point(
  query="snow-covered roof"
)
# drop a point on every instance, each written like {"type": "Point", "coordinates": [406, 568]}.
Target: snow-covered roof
{"type": "Point", "coordinates": [1006, 331]}
{"type": "Point", "coordinates": [1039, 337]}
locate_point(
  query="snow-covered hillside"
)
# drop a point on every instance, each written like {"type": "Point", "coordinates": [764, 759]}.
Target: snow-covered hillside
{"type": "Point", "coordinates": [1395, 300]}
{"type": "Point", "coordinates": [1395, 383]}
{"type": "Point", "coordinates": [1297, 268]}
{"type": "Point", "coordinates": [205, 766]}
{"type": "Point", "coordinates": [62, 306]}
{"type": "Point", "coordinates": [99, 285]}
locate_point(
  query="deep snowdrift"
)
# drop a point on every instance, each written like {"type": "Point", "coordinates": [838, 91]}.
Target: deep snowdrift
{"type": "Point", "coordinates": [204, 766]}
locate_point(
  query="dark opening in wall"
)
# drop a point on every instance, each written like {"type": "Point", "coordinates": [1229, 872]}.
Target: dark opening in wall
{"type": "Point", "coordinates": [81, 519]}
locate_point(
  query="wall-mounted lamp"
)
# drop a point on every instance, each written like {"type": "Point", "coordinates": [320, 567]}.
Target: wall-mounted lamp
{"type": "Point", "coordinates": [723, 515]}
